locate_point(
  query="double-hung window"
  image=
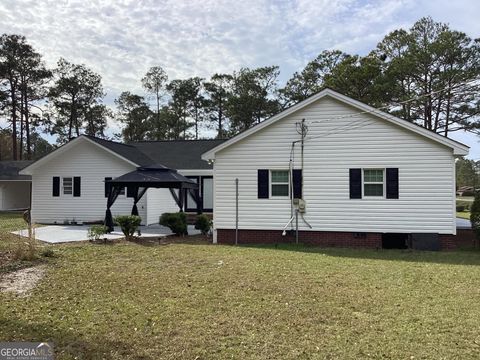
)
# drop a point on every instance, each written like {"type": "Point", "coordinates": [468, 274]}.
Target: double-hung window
{"type": "Point", "coordinates": [280, 183]}
{"type": "Point", "coordinates": [373, 182]}
{"type": "Point", "coordinates": [67, 185]}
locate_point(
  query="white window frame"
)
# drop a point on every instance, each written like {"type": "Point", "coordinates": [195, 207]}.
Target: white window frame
{"type": "Point", "coordinates": [278, 183]}
{"type": "Point", "coordinates": [63, 186]}
{"type": "Point", "coordinates": [374, 183]}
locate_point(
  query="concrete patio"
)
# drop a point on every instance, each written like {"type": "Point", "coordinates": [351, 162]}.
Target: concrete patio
{"type": "Point", "coordinates": [56, 234]}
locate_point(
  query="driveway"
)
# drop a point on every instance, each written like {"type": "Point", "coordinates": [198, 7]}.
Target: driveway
{"type": "Point", "coordinates": [55, 234]}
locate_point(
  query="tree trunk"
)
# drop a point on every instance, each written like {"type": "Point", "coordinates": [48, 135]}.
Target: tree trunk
{"type": "Point", "coordinates": [71, 120]}
{"type": "Point", "coordinates": [14, 118]}
{"type": "Point", "coordinates": [220, 120]}
{"type": "Point", "coordinates": [22, 114]}
{"type": "Point", "coordinates": [27, 127]}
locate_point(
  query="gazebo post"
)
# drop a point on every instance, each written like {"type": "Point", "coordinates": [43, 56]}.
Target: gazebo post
{"type": "Point", "coordinates": [182, 194]}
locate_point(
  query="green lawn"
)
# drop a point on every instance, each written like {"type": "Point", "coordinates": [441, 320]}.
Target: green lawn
{"type": "Point", "coordinates": [463, 214]}
{"type": "Point", "coordinates": [200, 301]}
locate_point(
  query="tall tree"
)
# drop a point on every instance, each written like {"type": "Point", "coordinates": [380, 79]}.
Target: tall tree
{"type": "Point", "coordinates": [197, 102]}
{"type": "Point", "coordinates": [312, 78]}
{"type": "Point", "coordinates": [437, 68]}
{"type": "Point", "coordinates": [182, 93]}
{"type": "Point", "coordinates": [134, 113]}
{"type": "Point", "coordinates": [33, 80]}
{"type": "Point", "coordinates": [154, 82]}
{"type": "Point", "coordinates": [361, 78]}
{"type": "Point", "coordinates": [218, 90]}
{"type": "Point", "coordinates": [253, 97]}
{"type": "Point", "coordinates": [96, 120]}
{"type": "Point", "coordinates": [12, 49]}
{"type": "Point", "coordinates": [76, 90]}
{"type": "Point", "coordinates": [466, 173]}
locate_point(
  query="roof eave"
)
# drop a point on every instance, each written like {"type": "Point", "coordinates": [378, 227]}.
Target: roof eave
{"type": "Point", "coordinates": [29, 169]}
{"type": "Point", "coordinates": [457, 147]}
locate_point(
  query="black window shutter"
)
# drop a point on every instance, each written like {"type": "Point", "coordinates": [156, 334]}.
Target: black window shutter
{"type": "Point", "coordinates": [56, 186]}
{"type": "Point", "coordinates": [392, 183]}
{"type": "Point", "coordinates": [262, 183]}
{"type": "Point", "coordinates": [297, 183]}
{"type": "Point", "coordinates": [76, 186]}
{"type": "Point", "coordinates": [355, 183]}
{"type": "Point", "coordinates": [107, 186]}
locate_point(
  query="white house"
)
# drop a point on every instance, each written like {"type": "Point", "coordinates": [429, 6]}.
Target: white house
{"type": "Point", "coordinates": [68, 185]}
{"type": "Point", "coordinates": [369, 178]}
{"type": "Point", "coordinates": [14, 188]}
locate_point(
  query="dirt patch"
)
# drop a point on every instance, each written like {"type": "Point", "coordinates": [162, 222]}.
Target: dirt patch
{"type": "Point", "coordinates": [21, 281]}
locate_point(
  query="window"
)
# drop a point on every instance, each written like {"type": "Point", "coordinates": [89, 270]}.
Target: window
{"type": "Point", "coordinates": [373, 182]}
{"type": "Point", "coordinates": [207, 193]}
{"type": "Point", "coordinates": [67, 185]}
{"type": "Point", "coordinates": [280, 183]}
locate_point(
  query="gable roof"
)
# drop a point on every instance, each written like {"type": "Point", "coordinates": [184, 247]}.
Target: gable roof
{"type": "Point", "coordinates": [127, 151]}
{"type": "Point", "coordinates": [9, 170]}
{"type": "Point", "coordinates": [175, 154]}
{"type": "Point", "coordinates": [458, 148]}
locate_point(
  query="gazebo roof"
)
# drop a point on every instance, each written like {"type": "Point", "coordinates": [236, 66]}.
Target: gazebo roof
{"type": "Point", "coordinates": [155, 176]}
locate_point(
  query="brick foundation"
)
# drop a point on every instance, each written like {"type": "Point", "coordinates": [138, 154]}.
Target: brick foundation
{"type": "Point", "coordinates": [464, 238]}
{"type": "Point", "coordinates": [316, 238]}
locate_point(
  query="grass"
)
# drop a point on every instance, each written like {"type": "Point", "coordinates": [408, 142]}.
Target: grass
{"type": "Point", "coordinates": [12, 245]}
{"type": "Point", "coordinates": [199, 301]}
{"type": "Point", "coordinates": [463, 214]}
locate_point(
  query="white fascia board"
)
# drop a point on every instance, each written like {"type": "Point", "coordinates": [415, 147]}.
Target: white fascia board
{"type": "Point", "coordinates": [458, 148]}
{"type": "Point", "coordinates": [64, 148]}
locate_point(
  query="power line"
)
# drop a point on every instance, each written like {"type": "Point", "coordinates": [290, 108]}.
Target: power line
{"type": "Point", "coordinates": [386, 107]}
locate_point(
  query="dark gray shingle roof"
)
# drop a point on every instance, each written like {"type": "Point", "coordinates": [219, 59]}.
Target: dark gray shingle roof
{"type": "Point", "coordinates": [178, 154]}
{"type": "Point", "coordinates": [124, 150]}
{"type": "Point", "coordinates": [9, 169]}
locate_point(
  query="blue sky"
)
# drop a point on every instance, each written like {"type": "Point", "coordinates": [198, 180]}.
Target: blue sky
{"type": "Point", "coordinates": [122, 39]}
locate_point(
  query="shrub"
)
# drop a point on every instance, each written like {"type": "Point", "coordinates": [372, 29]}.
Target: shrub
{"type": "Point", "coordinates": [176, 222]}
{"type": "Point", "coordinates": [129, 224]}
{"type": "Point", "coordinates": [47, 253]}
{"type": "Point", "coordinates": [25, 251]}
{"type": "Point", "coordinates": [95, 232]}
{"type": "Point", "coordinates": [475, 216]}
{"type": "Point", "coordinates": [203, 223]}
{"type": "Point", "coordinates": [466, 204]}
{"type": "Point", "coordinates": [460, 208]}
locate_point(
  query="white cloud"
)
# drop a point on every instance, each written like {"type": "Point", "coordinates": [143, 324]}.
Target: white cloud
{"type": "Point", "coordinates": [122, 39]}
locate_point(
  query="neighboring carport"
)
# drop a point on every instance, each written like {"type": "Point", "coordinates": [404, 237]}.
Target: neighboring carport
{"type": "Point", "coordinates": [138, 181]}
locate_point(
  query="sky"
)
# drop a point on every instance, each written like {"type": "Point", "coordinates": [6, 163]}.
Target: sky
{"type": "Point", "coordinates": [120, 40]}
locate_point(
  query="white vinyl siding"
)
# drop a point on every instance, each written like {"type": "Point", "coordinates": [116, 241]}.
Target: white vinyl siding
{"type": "Point", "coordinates": [426, 174]}
{"type": "Point", "coordinates": [93, 164]}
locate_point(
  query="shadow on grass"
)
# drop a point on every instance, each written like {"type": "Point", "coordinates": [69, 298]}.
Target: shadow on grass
{"type": "Point", "coordinates": [66, 343]}
{"type": "Point", "coordinates": [459, 257]}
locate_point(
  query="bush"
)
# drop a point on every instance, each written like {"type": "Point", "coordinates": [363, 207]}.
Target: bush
{"type": "Point", "coordinates": [95, 232]}
{"type": "Point", "coordinates": [48, 253]}
{"type": "Point", "coordinates": [475, 216]}
{"type": "Point", "coordinates": [203, 223]}
{"type": "Point", "coordinates": [460, 208]}
{"type": "Point", "coordinates": [129, 224]}
{"type": "Point", "coordinates": [466, 204]}
{"type": "Point", "coordinates": [25, 251]}
{"type": "Point", "coordinates": [176, 222]}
